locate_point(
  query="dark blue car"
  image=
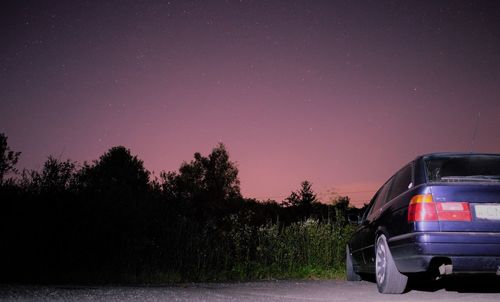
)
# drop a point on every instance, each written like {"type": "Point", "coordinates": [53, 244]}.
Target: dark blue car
{"type": "Point", "coordinates": [439, 215]}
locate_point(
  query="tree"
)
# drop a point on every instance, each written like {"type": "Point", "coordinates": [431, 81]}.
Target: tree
{"type": "Point", "coordinates": [116, 208]}
{"type": "Point", "coordinates": [292, 201]}
{"type": "Point", "coordinates": [306, 194]}
{"type": "Point", "coordinates": [342, 208]}
{"type": "Point", "coordinates": [210, 180]}
{"type": "Point", "coordinates": [221, 175]}
{"type": "Point", "coordinates": [56, 176]}
{"type": "Point", "coordinates": [116, 174]}
{"type": "Point", "coordinates": [188, 184]}
{"type": "Point", "coordinates": [304, 197]}
{"type": "Point", "coordinates": [8, 158]}
{"type": "Point", "coordinates": [342, 203]}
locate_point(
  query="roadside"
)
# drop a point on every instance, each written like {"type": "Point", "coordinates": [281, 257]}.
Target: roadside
{"type": "Point", "coordinates": [289, 290]}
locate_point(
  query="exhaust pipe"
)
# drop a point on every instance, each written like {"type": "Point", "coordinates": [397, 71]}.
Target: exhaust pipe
{"type": "Point", "coordinates": [447, 269]}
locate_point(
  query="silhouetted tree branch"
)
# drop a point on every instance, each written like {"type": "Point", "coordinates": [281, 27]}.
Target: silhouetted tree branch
{"type": "Point", "coordinates": [8, 158]}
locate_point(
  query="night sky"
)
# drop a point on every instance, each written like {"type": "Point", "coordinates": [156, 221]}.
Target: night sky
{"type": "Point", "coordinates": [341, 93]}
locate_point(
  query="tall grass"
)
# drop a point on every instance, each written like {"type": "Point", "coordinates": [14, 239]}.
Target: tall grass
{"type": "Point", "coordinates": [302, 249]}
{"type": "Point", "coordinates": [307, 249]}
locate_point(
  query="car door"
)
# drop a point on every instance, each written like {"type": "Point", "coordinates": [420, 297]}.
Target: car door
{"type": "Point", "coordinates": [357, 242]}
{"type": "Point", "coordinates": [370, 226]}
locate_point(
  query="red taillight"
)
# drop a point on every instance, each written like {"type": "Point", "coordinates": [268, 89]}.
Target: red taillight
{"type": "Point", "coordinates": [453, 211]}
{"type": "Point", "coordinates": [423, 208]}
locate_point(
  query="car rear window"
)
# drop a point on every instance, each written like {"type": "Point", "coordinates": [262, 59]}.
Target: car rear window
{"type": "Point", "coordinates": [463, 168]}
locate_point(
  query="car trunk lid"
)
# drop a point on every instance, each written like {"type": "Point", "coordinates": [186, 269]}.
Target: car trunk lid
{"type": "Point", "coordinates": [482, 200]}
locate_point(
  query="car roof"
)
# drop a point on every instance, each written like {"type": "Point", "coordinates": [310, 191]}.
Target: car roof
{"type": "Point", "coordinates": [455, 154]}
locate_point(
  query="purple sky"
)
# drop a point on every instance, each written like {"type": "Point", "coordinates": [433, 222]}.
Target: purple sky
{"type": "Point", "coordinates": [340, 93]}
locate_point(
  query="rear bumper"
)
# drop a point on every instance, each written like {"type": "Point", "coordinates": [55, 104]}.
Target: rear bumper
{"type": "Point", "coordinates": [469, 252]}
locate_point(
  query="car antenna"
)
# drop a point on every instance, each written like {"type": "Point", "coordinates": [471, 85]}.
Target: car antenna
{"type": "Point", "coordinates": [475, 131]}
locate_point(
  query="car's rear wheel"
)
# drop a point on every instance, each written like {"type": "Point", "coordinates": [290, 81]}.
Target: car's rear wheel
{"type": "Point", "coordinates": [389, 279]}
{"type": "Point", "coordinates": [350, 273]}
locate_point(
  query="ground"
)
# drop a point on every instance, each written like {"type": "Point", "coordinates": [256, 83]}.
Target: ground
{"type": "Point", "coordinates": [469, 289]}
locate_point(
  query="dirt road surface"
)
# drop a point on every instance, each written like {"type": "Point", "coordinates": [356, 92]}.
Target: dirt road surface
{"type": "Point", "coordinates": [470, 289]}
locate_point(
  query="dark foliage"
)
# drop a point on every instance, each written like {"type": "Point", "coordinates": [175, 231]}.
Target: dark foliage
{"type": "Point", "coordinates": [109, 222]}
{"type": "Point", "coordinates": [8, 158]}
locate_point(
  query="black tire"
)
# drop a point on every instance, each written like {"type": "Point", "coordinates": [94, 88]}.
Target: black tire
{"type": "Point", "coordinates": [389, 279]}
{"type": "Point", "coordinates": [349, 269]}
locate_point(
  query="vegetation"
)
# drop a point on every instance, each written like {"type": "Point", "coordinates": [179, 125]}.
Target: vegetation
{"type": "Point", "coordinates": [8, 158]}
{"type": "Point", "coordinates": [108, 221]}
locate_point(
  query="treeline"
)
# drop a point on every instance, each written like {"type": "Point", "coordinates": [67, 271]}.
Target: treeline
{"type": "Point", "coordinates": [111, 221]}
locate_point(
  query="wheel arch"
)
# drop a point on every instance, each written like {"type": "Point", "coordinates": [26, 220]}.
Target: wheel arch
{"type": "Point", "coordinates": [381, 231]}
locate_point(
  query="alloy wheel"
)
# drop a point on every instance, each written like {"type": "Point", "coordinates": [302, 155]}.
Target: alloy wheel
{"type": "Point", "coordinates": [381, 262]}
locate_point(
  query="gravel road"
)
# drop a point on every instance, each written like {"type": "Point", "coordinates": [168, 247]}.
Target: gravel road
{"type": "Point", "coordinates": [310, 290]}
